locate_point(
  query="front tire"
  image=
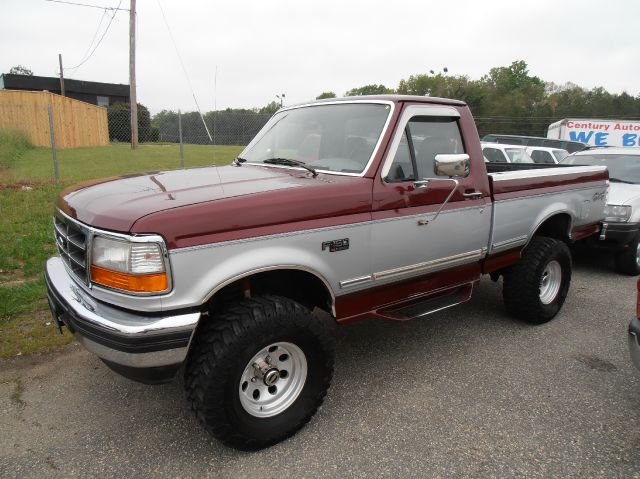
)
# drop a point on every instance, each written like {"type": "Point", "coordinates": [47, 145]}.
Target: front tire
{"type": "Point", "coordinates": [535, 288]}
{"type": "Point", "coordinates": [259, 371]}
{"type": "Point", "coordinates": [628, 260]}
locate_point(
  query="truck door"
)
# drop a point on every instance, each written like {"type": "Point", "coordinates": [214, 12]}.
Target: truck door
{"type": "Point", "coordinates": [408, 244]}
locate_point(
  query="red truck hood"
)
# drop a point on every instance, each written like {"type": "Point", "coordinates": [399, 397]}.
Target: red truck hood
{"type": "Point", "coordinates": [117, 204]}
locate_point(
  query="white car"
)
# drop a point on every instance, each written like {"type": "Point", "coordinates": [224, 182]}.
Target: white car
{"type": "Point", "coordinates": [621, 226]}
{"type": "Point", "coordinates": [499, 153]}
{"type": "Point", "coordinates": [546, 155]}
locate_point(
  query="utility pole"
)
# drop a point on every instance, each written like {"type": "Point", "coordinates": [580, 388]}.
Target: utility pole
{"type": "Point", "coordinates": [132, 75]}
{"type": "Point", "coordinates": [61, 75]}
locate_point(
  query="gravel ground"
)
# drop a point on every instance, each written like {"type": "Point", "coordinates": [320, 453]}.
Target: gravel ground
{"type": "Point", "coordinates": [466, 392]}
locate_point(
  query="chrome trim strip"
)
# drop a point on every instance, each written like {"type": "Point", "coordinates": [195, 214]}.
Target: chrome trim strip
{"type": "Point", "coordinates": [354, 281]}
{"type": "Point", "coordinates": [429, 265]}
{"type": "Point", "coordinates": [509, 243]}
{"type": "Point", "coordinates": [533, 195]}
{"type": "Point", "coordinates": [519, 175]}
{"type": "Point", "coordinates": [329, 172]}
{"type": "Point", "coordinates": [251, 239]}
{"type": "Point", "coordinates": [187, 249]}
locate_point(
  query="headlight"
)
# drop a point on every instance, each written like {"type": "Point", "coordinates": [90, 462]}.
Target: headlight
{"type": "Point", "coordinates": [619, 213]}
{"type": "Point", "coordinates": [128, 266]}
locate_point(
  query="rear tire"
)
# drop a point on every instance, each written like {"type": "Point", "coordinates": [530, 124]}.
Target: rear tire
{"type": "Point", "coordinates": [628, 260]}
{"type": "Point", "coordinates": [535, 288]}
{"type": "Point", "coordinates": [249, 407]}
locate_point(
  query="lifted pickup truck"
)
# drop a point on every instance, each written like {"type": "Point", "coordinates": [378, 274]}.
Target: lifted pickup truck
{"type": "Point", "coordinates": [362, 207]}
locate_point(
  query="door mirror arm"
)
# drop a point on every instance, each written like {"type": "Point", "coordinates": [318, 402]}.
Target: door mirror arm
{"type": "Point", "coordinates": [424, 183]}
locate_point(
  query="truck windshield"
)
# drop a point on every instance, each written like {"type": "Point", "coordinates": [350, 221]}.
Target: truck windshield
{"type": "Point", "coordinates": [334, 138]}
{"type": "Point", "coordinates": [624, 168]}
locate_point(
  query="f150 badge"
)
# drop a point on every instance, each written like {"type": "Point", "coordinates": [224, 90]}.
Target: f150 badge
{"type": "Point", "coordinates": [336, 245]}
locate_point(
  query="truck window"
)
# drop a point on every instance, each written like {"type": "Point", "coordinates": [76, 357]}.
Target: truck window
{"type": "Point", "coordinates": [494, 155]}
{"type": "Point", "coordinates": [541, 156]}
{"type": "Point", "coordinates": [424, 138]}
{"type": "Point", "coordinates": [332, 137]}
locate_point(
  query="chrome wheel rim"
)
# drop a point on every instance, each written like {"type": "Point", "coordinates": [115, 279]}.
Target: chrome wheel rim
{"type": "Point", "coordinates": [550, 282]}
{"type": "Point", "coordinates": [638, 255]}
{"type": "Point", "coordinates": [273, 379]}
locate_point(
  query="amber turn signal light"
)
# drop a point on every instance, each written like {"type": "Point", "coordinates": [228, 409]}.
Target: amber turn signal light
{"type": "Point", "coordinates": [137, 283]}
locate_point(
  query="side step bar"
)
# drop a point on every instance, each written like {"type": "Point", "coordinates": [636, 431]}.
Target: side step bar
{"type": "Point", "coordinates": [428, 304]}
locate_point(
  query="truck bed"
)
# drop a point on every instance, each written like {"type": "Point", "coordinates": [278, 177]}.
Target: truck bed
{"type": "Point", "coordinates": [526, 195]}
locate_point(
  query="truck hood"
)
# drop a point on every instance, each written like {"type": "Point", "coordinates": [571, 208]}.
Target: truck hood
{"type": "Point", "coordinates": [116, 203]}
{"type": "Point", "coordinates": [623, 193]}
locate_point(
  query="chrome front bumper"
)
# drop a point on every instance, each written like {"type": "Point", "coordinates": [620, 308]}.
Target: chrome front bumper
{"type": "Point", "coordinates": [145, 347]}
{"type": "Point", "coordinates": [634, 345]}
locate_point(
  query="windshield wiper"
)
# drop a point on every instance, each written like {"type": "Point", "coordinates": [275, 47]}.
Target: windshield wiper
{"type": "Point", "coordinates": [290, 162]}
{"type": "Point", "coordinates": [237, 161]}
{"type": "Point", "coordinates": [618, 180]}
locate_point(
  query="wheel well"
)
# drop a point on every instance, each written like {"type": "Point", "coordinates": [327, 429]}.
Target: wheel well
{"type": "Point", "coordinates": [556, 227]}
{"type": "Point", "coordinates": [299, 285]}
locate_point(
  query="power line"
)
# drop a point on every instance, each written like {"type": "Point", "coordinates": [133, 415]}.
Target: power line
{"type": "Point", "coordinates": [115, 10]}
{"type": "Point", "coordinates": [184, 70]}
{"type": "Point", "coordinates": [95, 35]}
{"type": "Point", "coordinates": [87, 5]}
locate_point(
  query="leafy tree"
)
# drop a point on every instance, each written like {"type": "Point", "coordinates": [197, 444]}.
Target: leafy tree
{"type": "Point", "coordinates": [326, 94]}
{"type": "Point", "coordinates": [20, 70]}
{"type": "Point", "coordinates": [119, 119]}
{"type": "Point", "coordinates": [270, 108]}
{"type": "Point", "coordinates": [369, 90]}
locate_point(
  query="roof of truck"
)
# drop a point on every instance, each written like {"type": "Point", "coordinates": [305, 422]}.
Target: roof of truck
{"type": "Point", "coordinates": [393, 98]}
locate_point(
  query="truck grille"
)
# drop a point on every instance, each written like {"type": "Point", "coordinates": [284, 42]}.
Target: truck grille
{"type": "Point", "coordinates": [71, 240]}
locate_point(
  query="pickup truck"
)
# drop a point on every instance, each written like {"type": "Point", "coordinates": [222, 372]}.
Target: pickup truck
{"type": "Point", "coordinates": [620, 231]}
{"type": "Point", "coordinates": [367, 207]}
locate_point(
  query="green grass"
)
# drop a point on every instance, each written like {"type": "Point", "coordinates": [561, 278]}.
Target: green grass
{"type": "Point", "coordinates": [27, 193]}
{"type": "Point", "coordinates": [13, 144]}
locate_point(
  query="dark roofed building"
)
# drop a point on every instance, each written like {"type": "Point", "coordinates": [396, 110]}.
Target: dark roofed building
{"type": "Point", "coordinates": [101, 94]}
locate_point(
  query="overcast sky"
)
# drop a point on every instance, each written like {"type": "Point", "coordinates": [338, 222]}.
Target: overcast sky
{"type": "Point", "coordinates": [302, 48]}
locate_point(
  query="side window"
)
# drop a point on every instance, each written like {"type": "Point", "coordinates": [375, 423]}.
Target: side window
{"type": "Point", "coordinates": [540, 156]}
{"type": "Point", "coordinates": [494, 155]}
{"type": "Point", "coordinates": [402, 166]}
{"type": "Point", "coordinates": [423, 139]}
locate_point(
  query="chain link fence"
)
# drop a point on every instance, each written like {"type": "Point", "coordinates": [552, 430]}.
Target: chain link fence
{"type": "Point", "coordinates": [75, 141]}
{"type": "Point", "coordinates": [81, 141]}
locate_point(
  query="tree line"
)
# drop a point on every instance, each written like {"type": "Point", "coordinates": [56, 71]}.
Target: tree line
{"type": "Point", "coordinates": [508, 99]}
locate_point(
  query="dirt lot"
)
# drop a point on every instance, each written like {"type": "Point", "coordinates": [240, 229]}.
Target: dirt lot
{"type": "Point", "coordinates": [466, 392]}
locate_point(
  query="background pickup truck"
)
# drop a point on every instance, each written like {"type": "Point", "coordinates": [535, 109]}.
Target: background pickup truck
{"type": "Point", "coordinates": [362, 207]}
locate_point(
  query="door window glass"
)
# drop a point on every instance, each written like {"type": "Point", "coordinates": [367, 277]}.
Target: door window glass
{"type": "Point", "coordinates": [423, 139]}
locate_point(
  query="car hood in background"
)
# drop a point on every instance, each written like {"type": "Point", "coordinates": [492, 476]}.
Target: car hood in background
{"type": "Point", "coordinates": [623, 193]}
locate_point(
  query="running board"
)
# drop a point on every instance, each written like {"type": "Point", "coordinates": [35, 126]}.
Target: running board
{"type": "Point", "coordinates": [428, 304]}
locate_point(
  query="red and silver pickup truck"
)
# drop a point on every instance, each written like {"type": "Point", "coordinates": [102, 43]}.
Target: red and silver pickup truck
{"type": "Point", "coordinates": [362, 207]}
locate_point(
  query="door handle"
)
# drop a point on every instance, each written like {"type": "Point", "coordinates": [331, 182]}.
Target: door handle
{"type": "Point", "coordinates": [473, 195]}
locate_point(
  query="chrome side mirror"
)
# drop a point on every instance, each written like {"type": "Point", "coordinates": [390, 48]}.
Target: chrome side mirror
{"type": "Point", "coordinates": [452, 165]}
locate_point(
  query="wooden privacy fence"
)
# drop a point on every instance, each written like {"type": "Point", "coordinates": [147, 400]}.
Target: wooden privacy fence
{"type": "Point", "coordinates": [75, 122]}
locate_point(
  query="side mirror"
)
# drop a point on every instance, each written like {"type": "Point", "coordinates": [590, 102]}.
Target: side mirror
{"type": "Point", "coordinates": [452, 165]}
